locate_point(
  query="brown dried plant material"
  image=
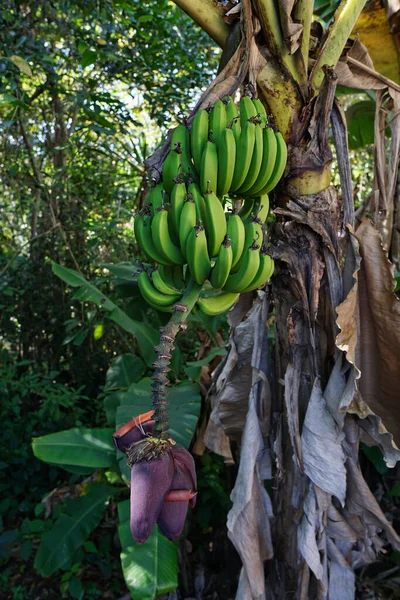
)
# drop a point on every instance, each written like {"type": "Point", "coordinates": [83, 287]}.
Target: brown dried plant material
{"type": "Point", "coordinates": [292, 31]}
{"type": "Point", "coordinates": [353, 76]}
{"type": "Point", "coordinates": [369, 320]}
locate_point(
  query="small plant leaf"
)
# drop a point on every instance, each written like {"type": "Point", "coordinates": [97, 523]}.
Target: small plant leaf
{"type": "Point", "coordinates": [21, 64]}
{"type": "Point", "coordinates": [151, 568]}
{"type": "Point", "coordinates": [71, 530]}
{"type": "Point", "coordinates": [89, 448]}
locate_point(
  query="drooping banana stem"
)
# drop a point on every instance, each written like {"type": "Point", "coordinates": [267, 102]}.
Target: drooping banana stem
{"type": "Point", "coordinates": [164, 353]}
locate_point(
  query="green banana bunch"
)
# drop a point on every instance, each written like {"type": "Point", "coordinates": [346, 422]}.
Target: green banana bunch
{"type": "Point", "coordinates": [214, 224]}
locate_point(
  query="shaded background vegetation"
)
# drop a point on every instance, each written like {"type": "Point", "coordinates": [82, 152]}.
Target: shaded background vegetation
{"type": "Point", "coordinates": [98, 85]}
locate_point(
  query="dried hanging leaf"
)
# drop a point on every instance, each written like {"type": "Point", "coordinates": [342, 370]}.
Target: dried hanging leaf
{"type": "Point", "coordinates": [248, 520]}
{"type": "Point", "coordinates": [291, 31]}
{"type": "Point", "coordinates": [308, 532]}
{"type": "Point", "coordinates": [353, 76]}
{"type": "Point", "coordinates": [369, 319]}
{"type": "Point", "coordinates": [321, 440]}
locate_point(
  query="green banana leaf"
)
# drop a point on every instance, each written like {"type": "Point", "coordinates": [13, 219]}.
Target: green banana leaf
{"type": "Point", "coordinates": [151, 568]}
{"type": "Point", "coordinates": [71, 530]}
{"type": "Point", "coordinates": [360, 119]}
{"type": "Point", "coordinates": [146, 336]}
{"type": "Point", "coordinates": [123, 270]}
{"type": "Point", "coordinates": [89, 449]}
{"type": "Point", "coordinates": [124, 370]}
{"type": "Point", "coordinates": [184, 403]}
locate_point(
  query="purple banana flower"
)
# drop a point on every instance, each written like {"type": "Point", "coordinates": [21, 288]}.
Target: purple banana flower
{"type": "Point", "coordinates": [162, 488]}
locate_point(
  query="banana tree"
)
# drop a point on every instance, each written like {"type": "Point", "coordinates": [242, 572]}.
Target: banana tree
{"type": "Point", "coordinates": [337, 344]}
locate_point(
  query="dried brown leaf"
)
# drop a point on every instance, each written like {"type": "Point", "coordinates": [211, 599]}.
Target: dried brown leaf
{"type": "Point", "coordinates": [291, 31]}
{"type": "Point", "coordinates": [369, 320]}
{"type": "Point", "coordinates": [353, 76]}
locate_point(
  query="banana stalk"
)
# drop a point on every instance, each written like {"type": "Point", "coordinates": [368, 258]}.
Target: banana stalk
{"type": "Point", "coordinates": [164, 349]}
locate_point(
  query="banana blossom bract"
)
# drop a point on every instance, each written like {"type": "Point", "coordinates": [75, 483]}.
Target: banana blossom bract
{"type": "Point", "coordinates": [162, 488]}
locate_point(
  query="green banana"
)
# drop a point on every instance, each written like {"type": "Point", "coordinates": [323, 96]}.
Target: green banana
{"type": "Point", "coordinates": [215, 223]}
{"type": "Point", "coordinates": [264, 272]}
{"type": "Point", "coordinates": [239, 281]}
{"type": "Point", "coordinates": [197, 255]}
{"type": "Point", "coordinates": [244, 153]}
{"type": "Point", "coordinates": [226, 161]}
{"type": "Point", "coordinates": [178, 197]}
{"type": "Point", "coordinates": [198, 199]}
{"type": "Point", "coordinates": [253, 232]}
{"type": "Point", "coordinates": [187, 222]}
{"type": "Point", "coordinates": [246, 208]}
{"type": "Point", "coordinates": [256, 160]}
{"type": "Point", "coordinates": [215, 305]}
{"type": "Point", "coordinates": [171, 167]}
{"type": "Point", "coordinates": [142, 228]}
{"type": "Point", "coordinates": [177, 274]}
{"type": "Point", "coordinates": [280, 164]}
{"type": "Point", "coordinates": [231, 109]}
{"type": "Point", "coordinates": [167, 309]}
{"type": "Point", "coordinates": [162, 238]}
{"type": "Point", "coordinates": [167, 274]}
{"type": "Point", "coordinates": [158, 197]}
{"type": "Point", "coordinates": [209, 168]}
{"type": "Point", "coordinates": [223, 264]}
{"type": "Point", "coordinates": [260, 108]}
{"type": "Point", "coordinates": [236, 232]}
{"type": "Point", "coordinates": [261, 207]}
{"type": "Point", "coordinates": [268, 162]}
{"type": "Point", "coordinates": [152, 295]}
{"type": "Point", "coordinates": [218, 120]}
{"type": "Point", "coordinates": [247, 110]}
{"type": "Point", "coordinates": [161, 285]}
{"type": "Point", "coordinates": [199, 136]}
{"type": "Point", "coordinates": [181, 136]}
